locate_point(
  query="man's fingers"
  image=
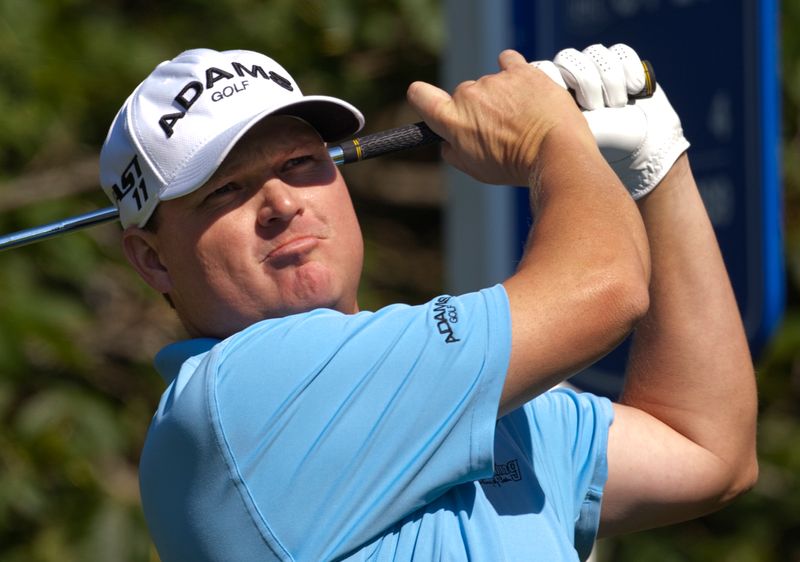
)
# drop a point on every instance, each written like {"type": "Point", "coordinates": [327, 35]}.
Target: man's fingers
{"type": "Point", "coordinates": [632, 65]}
{"type": "Point", "coordinates": [426, 96]}
{"type": "Point", "coordinates": [612, 75]}
{"type": "Point", "coordinates": [433, 104]}
{"type": "Point", "coordinates": [551, 70]}
{"type": "Point", "coordinates": [581, 74]}
{"type": "Point", "coordinates": [509, 58]}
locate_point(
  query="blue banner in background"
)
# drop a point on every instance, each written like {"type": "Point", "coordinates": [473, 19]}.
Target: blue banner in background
{"type": "Point", "coordinates": [717, 61]}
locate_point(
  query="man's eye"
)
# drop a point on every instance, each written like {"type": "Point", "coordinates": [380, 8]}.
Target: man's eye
{"type": "Point", "coordinates": [227, 188]}
{"type": "Point", "coordinates": [294, 162]}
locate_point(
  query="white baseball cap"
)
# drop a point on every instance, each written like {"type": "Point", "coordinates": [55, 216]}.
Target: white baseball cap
{"type": "Point", "coordinates": [179, 124]}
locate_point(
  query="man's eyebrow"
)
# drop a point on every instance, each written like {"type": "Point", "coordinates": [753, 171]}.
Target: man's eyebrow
{"type": "Point", "coordinates": [227, 168]}
{"type": "Point", "coordinates": [241, 160]}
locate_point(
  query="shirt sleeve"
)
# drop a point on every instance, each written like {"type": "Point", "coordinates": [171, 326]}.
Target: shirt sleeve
{"type": "Point", "coordinates": [356, 421]}
{"type": "Point", "coordinates": [570, 441]}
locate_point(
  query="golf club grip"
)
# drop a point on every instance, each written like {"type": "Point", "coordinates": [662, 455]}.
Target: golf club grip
{"type": "Point", "coordinates": [384, 142]}
{"type": "Point", "coordinates": [649, 82]}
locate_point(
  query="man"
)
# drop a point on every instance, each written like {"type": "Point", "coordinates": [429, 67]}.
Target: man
{"type": "Point", "coordinates": [295, 427]}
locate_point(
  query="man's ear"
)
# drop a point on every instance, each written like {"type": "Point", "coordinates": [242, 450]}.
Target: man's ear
{"type": "Point", "coordinates": [141, 249]}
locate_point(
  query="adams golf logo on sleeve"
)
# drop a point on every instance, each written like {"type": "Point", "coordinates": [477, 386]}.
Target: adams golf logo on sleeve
{"type": "Point", "coordinates": [445, 316]}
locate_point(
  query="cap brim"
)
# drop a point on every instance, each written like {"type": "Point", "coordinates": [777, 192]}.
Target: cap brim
{"type": "Point", "coordinates": [333, 119]}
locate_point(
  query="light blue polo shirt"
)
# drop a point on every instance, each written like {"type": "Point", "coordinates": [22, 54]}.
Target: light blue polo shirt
{"type": "Point", "coordinates": [324, 436]}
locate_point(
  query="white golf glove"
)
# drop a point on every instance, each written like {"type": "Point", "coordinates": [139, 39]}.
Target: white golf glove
{"type": "Point", "coordinates": [640, 140]}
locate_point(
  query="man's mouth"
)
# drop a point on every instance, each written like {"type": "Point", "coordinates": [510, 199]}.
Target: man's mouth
{"type": "Point", "coordinates": [292, 250]}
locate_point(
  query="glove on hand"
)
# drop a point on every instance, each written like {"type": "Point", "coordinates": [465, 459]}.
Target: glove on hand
{"type": "Point", "coordinates": [640, 140]}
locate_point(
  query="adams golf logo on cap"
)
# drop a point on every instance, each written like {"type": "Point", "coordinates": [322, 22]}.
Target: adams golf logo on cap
{"type": "Point", "coordinates": [176, 128]}
{"type": "Point", "coordinates": [192, 91]}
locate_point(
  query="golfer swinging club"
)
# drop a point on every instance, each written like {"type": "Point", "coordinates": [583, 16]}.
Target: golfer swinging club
{"type": "Point", "coordinates": [296, 427]}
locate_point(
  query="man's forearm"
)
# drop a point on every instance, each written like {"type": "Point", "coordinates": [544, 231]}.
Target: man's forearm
{"type": "Point", "coordinates": [582, 283]}
{"type": "Point", "coordinates": [690, 365]}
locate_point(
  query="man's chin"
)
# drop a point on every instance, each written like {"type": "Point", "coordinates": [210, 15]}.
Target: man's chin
{"type": "Point", "coordinates": [310, 286]}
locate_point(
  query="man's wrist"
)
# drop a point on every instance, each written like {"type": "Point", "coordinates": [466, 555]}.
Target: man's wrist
{"type": "Point", "coordinates": [678, 177]}
{"type": "Point", "coordinates": [563, 152]}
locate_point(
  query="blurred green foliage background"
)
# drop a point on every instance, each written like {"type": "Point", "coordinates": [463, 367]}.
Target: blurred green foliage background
{"type": "Point", "coordinates": [78, 330]}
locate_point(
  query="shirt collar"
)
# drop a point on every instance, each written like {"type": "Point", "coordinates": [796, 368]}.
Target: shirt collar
{"type": "Point", "coordinates": [169, 360]}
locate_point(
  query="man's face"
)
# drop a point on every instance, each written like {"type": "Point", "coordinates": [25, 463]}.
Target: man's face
{"type": "Point", "coordinates": [271, 234]}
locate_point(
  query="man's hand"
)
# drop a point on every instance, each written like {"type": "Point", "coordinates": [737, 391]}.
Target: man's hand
{"type": "Point", "coordinates": [493, 128]}
{"type": "Point", "coordinates": [640, 140]}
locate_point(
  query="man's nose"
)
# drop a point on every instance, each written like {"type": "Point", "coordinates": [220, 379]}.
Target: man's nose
{"type": "Point", "coordinates": [279, 202]}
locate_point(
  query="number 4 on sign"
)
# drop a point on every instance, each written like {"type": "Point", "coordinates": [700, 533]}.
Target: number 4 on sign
{"type": "Point", "coordinates": [720, 116]}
